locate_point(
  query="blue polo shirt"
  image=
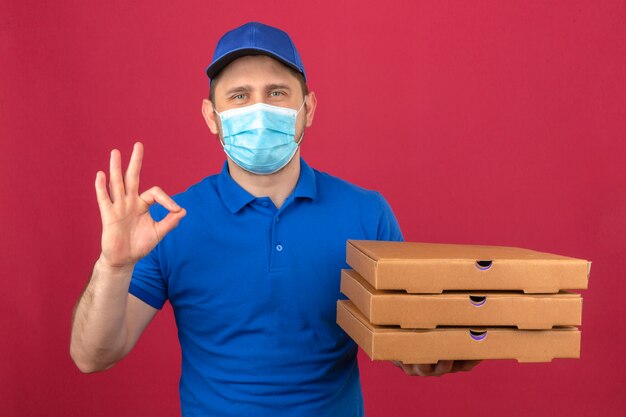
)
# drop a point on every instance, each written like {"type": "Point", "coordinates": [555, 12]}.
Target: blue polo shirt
{"type": "Point", "coordinates": [254, 291]}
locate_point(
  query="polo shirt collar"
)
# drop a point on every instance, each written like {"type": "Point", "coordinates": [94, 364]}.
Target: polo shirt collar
{"type": "Point", "coordinates": [235, 197]}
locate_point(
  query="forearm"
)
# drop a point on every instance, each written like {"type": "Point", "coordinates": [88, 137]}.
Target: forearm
{"type": "Point", "coordinates": [107, 321]}
{"type": "Point", "coordinates": [99, 333]}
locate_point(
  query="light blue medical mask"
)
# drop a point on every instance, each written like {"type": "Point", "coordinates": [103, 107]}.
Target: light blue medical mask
{"type": "Point", "coordinates": [260, 138]}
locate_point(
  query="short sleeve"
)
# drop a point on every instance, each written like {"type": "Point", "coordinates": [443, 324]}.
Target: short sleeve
{"type": "Point", "coordinates": [148, 283]}
{"type": "Point", "coordinates": [388, 227]}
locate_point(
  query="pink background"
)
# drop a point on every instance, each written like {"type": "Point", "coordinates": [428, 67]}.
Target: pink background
{"type": "Point", "coordinates": [484, 122]}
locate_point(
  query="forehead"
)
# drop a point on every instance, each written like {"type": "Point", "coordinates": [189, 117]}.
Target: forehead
{"type": "Point", "coordinates": [255, 70]}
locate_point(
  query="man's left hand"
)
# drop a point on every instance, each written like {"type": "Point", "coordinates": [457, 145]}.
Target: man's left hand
{"type": "Point", "coordinates": [438, 369]}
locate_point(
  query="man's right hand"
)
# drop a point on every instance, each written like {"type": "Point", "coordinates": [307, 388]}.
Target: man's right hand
{"type": "Point", "coordinates": [108, 320]}
{"type": "Point", "coordinates": [128, 231]}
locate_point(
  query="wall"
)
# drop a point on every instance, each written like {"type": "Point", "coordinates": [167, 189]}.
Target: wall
{"type": "Point", "coordinates": [481, 122]}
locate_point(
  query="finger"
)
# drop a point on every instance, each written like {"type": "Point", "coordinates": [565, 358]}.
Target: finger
{"type": "Point", "coordinates": [420, 369]}
{"type": "Point", "coordinates": [131, 179]}
{"type": "Point", "coordinates": [115, 181]}
{"type": "Point", "coordinates": [168, 223]}
{"type": "Point", "coordinates": [464, 366]}
{"type": "Point", "coordinates": [104, 202]}
{"type": "Point", "coordinates": [443, 367]}
{"type": "Point", "coordinates": [156, 194]}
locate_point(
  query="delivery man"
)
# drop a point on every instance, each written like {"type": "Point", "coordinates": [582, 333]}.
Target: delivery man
{"type": "Point", "coordinates": [249, 258]}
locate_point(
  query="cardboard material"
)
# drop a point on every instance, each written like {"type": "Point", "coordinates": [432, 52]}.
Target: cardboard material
{"type": "Point", "coordinates": [455, 308]}
{"type": "Point", "coordinates": [433, 267]}
{"type": "Point", "coordinates": [456, 343]}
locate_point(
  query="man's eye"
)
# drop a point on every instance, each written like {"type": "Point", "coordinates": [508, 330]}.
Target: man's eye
{"type": "Point", "coordinates": [239, 96]}
{"type": "Point", "coordinates": [277, 93]}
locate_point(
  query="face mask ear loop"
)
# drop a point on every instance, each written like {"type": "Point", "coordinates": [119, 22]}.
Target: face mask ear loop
{"type": "Point", "coordinates": [301, 106]}
{"type": "Point", "coordinates": [302, 135]}
{"type": "Point", "coordinates": [218, 136]}
{"type": "Point", "coordinates": [300, 140]}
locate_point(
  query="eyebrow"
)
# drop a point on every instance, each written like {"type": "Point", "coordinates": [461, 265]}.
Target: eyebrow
{"type": "Point", "coordinates": [239, 89]}
{"type": "Point", "coordinates": [277, 87]}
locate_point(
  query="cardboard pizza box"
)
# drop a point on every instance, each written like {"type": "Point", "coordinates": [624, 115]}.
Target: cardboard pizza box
{"type": "Point", "coordinates": [459, 308]}
{"type": "Point", "coordinates": [456, 343]}
{"type": "Point", "coordinates": [435, 267]}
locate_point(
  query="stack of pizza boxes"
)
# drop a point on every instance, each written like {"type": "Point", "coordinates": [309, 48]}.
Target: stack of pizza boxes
{"type": "Point", "coordinates": [422, 302]}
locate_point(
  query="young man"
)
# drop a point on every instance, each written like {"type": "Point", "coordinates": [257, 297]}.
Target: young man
{"type": "Point", "coordinates": [252, 270]}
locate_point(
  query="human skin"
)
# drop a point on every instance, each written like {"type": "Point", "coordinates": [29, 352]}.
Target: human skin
{"type": "Point", "coordinates": [260, 79]}
{"type": "Point", "coordinates": [254, 79]}
{"type": "Point", "coordinates": [107, 320]}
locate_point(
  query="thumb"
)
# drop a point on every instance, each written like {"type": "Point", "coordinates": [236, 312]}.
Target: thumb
{"type": "Point", "coordinates": [169, 222]}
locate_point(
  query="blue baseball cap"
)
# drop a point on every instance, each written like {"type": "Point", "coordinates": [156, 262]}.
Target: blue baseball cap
{"type": "Point", "coordinates": [255, 38]}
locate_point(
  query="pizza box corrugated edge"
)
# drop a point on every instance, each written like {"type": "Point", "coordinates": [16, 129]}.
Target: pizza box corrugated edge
{"type": "Point", "coordinates": [456, 343]}
{"type": "Point", "coordinates": [434, 267]}
{"type": "Point", "coordinates": [456, 308]}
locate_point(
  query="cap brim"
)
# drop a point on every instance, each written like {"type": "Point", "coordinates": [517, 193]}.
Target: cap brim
{"type": "Point", "coordinates": [219, 64]}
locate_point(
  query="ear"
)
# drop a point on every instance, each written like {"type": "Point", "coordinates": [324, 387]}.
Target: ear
{"type": "Point", "coordinates": [209, 116]}
{"type": "Point", "coordinates": [311, 104]}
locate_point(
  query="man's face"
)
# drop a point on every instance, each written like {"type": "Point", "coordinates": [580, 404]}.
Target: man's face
{"type": "Point", "coordinates": [258, 79]}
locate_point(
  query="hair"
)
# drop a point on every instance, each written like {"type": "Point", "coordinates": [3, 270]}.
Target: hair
{"type": "Point", "coordinates": [297, 74]}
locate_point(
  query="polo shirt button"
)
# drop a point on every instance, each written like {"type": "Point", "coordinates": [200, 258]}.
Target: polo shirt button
{"type": "Point", "coordinates": [277, 218]}
{"type": "Point", "coordinates": [265, 204]}
{"type": "Point", "coordinates": [279, 247]}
